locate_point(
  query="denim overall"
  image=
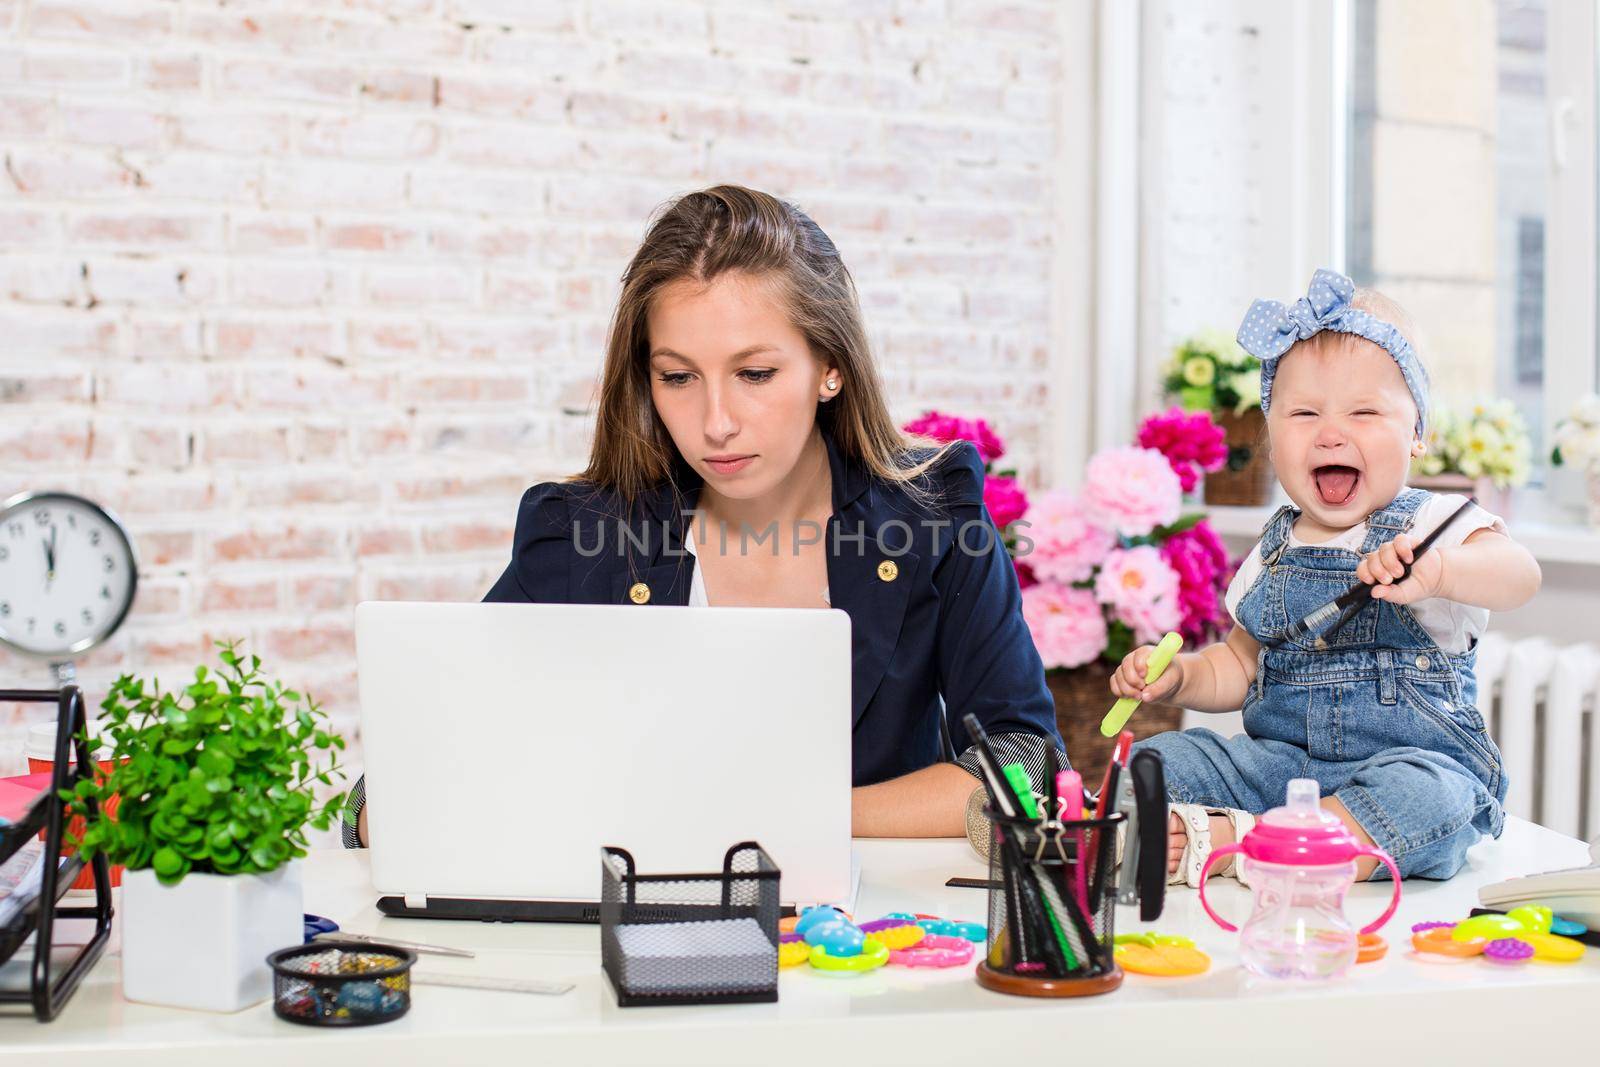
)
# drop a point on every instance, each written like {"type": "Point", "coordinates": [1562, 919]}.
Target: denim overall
{"type": "Point", "coordinates": [1381, 717]}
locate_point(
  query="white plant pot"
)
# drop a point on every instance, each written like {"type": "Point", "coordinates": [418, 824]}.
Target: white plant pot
{"type": "Point", "coordinates": [203, 943]}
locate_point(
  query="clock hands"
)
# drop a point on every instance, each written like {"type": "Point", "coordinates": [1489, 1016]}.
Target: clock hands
{"type": "Point", "coordinates": [50, 556]}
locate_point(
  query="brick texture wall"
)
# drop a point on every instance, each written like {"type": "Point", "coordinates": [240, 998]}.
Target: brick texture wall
{"type": "Point", "coordinates": [309, 292]}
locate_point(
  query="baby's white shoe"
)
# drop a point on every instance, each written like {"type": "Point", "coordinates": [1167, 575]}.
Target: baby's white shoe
{"type": "Point", "coordinates": [1196, 822]}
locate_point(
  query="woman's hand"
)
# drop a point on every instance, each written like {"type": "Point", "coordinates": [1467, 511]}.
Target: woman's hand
{"type": "Point", "coordinates": [1128, 681]}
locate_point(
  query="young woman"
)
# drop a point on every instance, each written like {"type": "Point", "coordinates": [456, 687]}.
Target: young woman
{"type": "Point", "coordinates": [744, 455]}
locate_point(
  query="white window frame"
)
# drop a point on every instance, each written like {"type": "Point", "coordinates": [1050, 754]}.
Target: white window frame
{"type": "Point", "coordinates": [1572, 254]}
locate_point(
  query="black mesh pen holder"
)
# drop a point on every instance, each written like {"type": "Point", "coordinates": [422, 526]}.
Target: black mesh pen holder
{"type": "Point", "coordinates": [332, 983]}
{"type": "Point", "coordinates": [691, 938]}
{"type": "Point", "coordinates": [1052, 907]}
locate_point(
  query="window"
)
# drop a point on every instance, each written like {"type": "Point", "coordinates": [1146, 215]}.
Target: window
{"type": "Point", "coordinates": [1464, 198]}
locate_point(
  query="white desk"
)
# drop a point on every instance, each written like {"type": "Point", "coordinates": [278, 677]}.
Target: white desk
{"type": "Point", "coordinates": [1474, 1011]}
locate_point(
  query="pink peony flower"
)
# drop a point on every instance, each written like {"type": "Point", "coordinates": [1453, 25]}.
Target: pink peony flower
{"type": "Point", "coordinates": [1068, 627]}
{"type": "Point", "coordinates": [1131, 490]}
{"type": "Point", "coordinates": [940, 427]}
{"type": "Point", "coordinates": [1201, 562]}
{"type": "Point", "coordinates": [1066, 545]}
{"type": "Point", "coordinates": [1135, 577]}
{"type": "Point", "coordinates": [1005, 500]}
{"type": "Point", "coordinates": [1025, 578]}
{"type": "Point", "coordinates": [1192, 444]}
{"type": "Point", "coordinates": [1151, 622]}
{"type": "Point", "coordinates": [1142, 591]}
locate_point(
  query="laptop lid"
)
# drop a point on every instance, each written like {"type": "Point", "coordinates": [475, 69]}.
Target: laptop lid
{"type": "Point", "coordinates": [506, 743]}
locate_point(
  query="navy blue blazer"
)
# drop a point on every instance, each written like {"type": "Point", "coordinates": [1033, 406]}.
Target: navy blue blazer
{"type": "Point", "coordinates": [945, 620]}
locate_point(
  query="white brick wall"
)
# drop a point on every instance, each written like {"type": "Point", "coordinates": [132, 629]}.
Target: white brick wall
{"type": "Point", "coordinates": [308, 292]}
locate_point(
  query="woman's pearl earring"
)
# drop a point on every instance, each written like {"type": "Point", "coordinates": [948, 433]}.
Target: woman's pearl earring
{"type": "Point", "coordinates": [833, 383]}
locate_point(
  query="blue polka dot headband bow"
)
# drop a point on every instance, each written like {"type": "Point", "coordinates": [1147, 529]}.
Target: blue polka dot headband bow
{"type": "Point", "coordinates": [1270, 329]}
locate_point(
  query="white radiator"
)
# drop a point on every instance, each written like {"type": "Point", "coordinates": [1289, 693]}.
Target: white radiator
{"type": "Point", "coordinates": [1542, 704]}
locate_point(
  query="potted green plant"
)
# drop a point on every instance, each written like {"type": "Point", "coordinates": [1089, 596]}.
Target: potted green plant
{"type": "Point", "coordinates": [216, 787]}
{"type": "Point", "coordinates": [1210, 372]}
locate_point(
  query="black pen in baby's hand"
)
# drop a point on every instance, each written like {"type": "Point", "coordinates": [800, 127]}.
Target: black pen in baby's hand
{"type": "Point", "coordinates": [1352, 600]}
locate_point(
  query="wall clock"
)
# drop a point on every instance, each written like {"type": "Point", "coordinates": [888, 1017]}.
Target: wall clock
{"type": "Point", "coordinates": [67, 576]}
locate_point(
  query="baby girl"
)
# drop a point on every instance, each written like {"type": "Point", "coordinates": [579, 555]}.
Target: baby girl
{"type": "Point", "coordinates": [1382, 711]}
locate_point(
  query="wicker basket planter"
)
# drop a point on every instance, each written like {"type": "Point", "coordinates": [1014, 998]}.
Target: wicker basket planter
{"type": "Point", "coordinates": [1246, 481]}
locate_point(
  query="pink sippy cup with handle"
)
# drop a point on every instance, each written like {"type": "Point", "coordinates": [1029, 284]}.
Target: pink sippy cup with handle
{"type": "Point", "coordinates": [1300, 861]}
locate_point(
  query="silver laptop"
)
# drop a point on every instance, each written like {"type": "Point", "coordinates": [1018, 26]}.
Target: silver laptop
{"type": "Point", "coordinates": [505, 744]}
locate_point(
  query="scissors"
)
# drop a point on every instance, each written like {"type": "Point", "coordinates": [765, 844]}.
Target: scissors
{"type": "Point", "coordinates": [319, 928]}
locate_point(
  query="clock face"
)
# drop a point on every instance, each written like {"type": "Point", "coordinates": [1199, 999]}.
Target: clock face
{"type": "Point", "coordinates": [67, 574]}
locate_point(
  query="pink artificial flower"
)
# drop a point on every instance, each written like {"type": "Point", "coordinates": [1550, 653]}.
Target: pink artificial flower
{"type": "Point", "coordinates": [1201, 562]}
{"type": "Point", "coordinates": [1131, 490]}
{"type": "Point", "coordinates": [1025, 578]}
{"type": "Point", "coordinates": [1068, 627]}
{"type": "Point", "coordinates": [1067, 547]}
{"type": "Point", "coordinates": [1151, 622]}
{"type": "Point", "coordinates": [1005, 499]}
{"type": "Point", "coordinates": [940, 427]}
{"type": "Point", "coordinates": [1142, 591]}
{"type": "Point", "coordinates": [1193, 444]}
{"type": "Point", "coordinates": [1135, 577]}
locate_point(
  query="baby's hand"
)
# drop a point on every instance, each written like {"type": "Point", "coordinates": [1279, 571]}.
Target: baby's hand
{"type": "Point", "coordinates": [1128, 681]}
{"type": "Point", "coordinates": [1383, 568]}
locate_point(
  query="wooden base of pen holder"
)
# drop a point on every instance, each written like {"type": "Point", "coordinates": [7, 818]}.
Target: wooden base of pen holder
{"type": "Point", "coordinates": [1020, 986]}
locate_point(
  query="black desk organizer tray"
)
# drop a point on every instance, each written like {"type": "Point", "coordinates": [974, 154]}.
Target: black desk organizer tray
{"type": "Point", "coordinates": [691, 938]}
{"type": "Point", "coordinates": [51, 982]}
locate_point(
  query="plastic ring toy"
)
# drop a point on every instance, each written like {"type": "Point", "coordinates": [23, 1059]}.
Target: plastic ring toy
{"type": "Point", "coordinates": [1535, 918]}
{"type": "Point", "coordinates": [1508, 950]}
{"type": "Point", "coordinates": [1567, 927]}
{"type": "Point", "coordinates": [823, 913]}
{"type": "Point", "coordinates": [1162, 961]}
{"type": "Point", "coordinates": [1491, 927]}
{"type": "Point", "coordinates": [934, 951]}
{"type": "Point", "coordinates": [1418, 928]}
{"type": "Point", "coordinates": [899, 938]}
{"type": "Point", "coordinates": [1370, 948]}
{"type": "Point", "coordinates": [838, 937]}
{"type": "Point", "coordinates": [793, 953]}
{"type": "Point", "coordinates": [1553, 949]}
{"type": "Point", "coordinates": [1150, 939]}
{"type": "Point", "coordinates": [879, 925]}
{"type": "Point", "coordinates": [1439, 941]}
{"type": "Point", "coordinates": [874, 954]}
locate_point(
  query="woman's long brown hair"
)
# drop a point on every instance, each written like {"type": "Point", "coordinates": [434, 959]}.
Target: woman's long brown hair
{"type": "Point", "coordinates": [701, 236]}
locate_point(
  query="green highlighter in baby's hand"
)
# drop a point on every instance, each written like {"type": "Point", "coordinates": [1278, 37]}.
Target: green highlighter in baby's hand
{"type": "Point", "coordinates": [1123, 709]}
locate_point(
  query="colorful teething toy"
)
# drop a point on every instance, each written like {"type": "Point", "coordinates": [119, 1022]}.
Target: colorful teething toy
{"type": "Point", "coordinates": [1489, 927]}
{"type": "Point", "coordinates": [1535, 918]}
{"type": "Point", "coordinates": [1162, 960]}
{"type": "Point", "coordinates": [1151, 938]}
{"type": "Point", "coordinates": [900, 937]}
{"type": "Point", "coordinates": [1370, 948]}
{"type": "Point", "coordinates": [793, 953]}
{"type": "Point", "coordinates": [1553, 949]}
{"type": "Point", "coordinates": [1438, 941]}
{"type": "Point", "coordinates": [946, 928]}
{"type": "Point", "coordinates": [934, 951]}
{"type": "Point", "coordinates": [1567, 927]}
{"type": "Point", "coordinates": [873, 955]}
{"type": "Point", "coordinates": [1508, 950]}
